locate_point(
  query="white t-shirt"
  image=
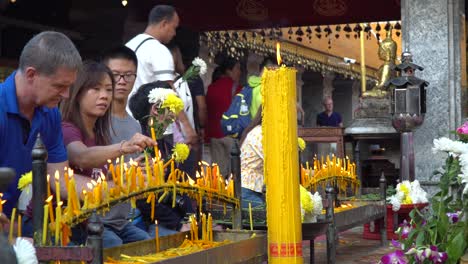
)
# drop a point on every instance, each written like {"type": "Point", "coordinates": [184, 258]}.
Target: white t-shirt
{"type": "Point", "coordinates": [183, 91]}
{"type": "Point", "coordinates": [155, 62]}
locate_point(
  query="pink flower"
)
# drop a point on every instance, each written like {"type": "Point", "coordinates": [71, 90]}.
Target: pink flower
{"type": "Point", "coordinates": [463, 129]}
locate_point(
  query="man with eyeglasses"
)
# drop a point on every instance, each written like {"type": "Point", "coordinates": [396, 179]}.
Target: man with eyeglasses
{"type": "Point", "coordinates": [123, 63]}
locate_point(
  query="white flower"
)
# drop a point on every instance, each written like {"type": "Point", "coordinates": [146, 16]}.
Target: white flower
{"type": "Point", "coordinates": [318, 206]}
{"type": "Point", "coordinates": [454, 148]}
{"type": "Point", "coordinates": [201, 64]}
{"type": "Point", "coordinates": [395, 201]}
{"type": "Point", "coordinates": [25, 252]}
{"type": "Point", "coordinates": [158, 95]}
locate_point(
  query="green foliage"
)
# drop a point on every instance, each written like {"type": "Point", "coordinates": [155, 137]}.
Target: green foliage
{"type": "Point", "coordinates": [432, 226]}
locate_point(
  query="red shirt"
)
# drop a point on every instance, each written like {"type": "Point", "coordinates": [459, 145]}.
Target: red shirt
{"type": "Point", "coordinates": [218, 98]}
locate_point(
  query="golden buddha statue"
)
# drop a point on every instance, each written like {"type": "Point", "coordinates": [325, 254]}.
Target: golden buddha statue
{"type": "Point", "coordinates": [387, 53]}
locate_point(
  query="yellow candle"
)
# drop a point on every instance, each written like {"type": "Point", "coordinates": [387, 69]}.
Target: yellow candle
{"type": "Point", "coordinates": [1, 202]}
{"type": "Point", "coordinates": [12, 224]}
{"type": "Point", "coordinates": [112, 170]}
{"type": "Point", "coordinates": [85, 199]}
{"type": "Point", "coordinates": [121, 180]}
{"type": "Point", "coordinates": [66, 178]}
{"type": "Point", "coordinates": [148, 170]}
{"type": "Point", "coordinates": [153, 204]}
{"type": "Point", "coordinates": [279, 129]}
{"type": "Point", "coordinates": [58, 222]}
{"type": "Point", "coordinates": [57, 186]}
{"type": "Point", "coordinates": [210, 227]}
{"type": "Point", "coordinates": [105, 188]}
{"type": "Point", "coordinates": [156, 235]}
{"type": "Point", "coordinates": [19, 225]}
{"type": "Point", "coordinates": [48, 185]}
{"type": "Point", "coordinates": [204, 227]}
{"type": "Point", "coordinates": [153, 136]}
{"type": "Point", "coordinates": [45, 224]}
{"type": "Point", "coordinates": [250, 216]}
{"type": "Point", "coordinates": [51, 210]}
{"type": "Point", "coordinates": [141, 179]}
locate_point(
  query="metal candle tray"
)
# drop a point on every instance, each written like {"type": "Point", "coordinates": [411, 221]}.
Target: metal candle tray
{"type": "Point", "coordinates": [243, 249]}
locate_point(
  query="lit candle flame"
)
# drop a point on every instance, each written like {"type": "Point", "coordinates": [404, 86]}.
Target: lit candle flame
{"type": "Point", "coordinates": [109, 161]}
{"type": "Point", "coordinates": [192, 182]}
{"type": "Point", "coordinates": [90, 186]}
{"type": "Point", "coordinates": [93, 182]}
{"type": "Point", "coordinates": [278, 54]}
{"type": "Point", "coordinates": [48, 200]}
{"type": "Point", "coordinates": [103, 177]}
{"type": "Point", "coordinates": [57, 175]}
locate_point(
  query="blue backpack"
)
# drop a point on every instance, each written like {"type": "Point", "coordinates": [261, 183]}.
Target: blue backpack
{"type": "Point", "coordinates": [237, 117]}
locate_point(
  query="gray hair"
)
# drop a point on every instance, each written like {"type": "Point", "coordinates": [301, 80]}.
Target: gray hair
{"type": "Point", "coordinates": [49, 51]}
{"type": "Point", "coordinates": [326, 98]}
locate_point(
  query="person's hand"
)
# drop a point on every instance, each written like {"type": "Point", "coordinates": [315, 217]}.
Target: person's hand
{"type": "Point", "coordinates": [137, 144]}
{"type": "Point", "coordinates": [191, 137]}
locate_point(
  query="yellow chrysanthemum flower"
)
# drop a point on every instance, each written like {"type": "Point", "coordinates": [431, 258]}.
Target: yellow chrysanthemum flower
{"type": "Point", "coordinates": [25, 180]}
{"type": "Point", "coordinates": [174, 103]}
{"type": "Point", "coordinates": [301, 143]}
{"type": "Point", "coordinates": [407, 200]}
{"type": "Point", "coordinates": [180, 152]}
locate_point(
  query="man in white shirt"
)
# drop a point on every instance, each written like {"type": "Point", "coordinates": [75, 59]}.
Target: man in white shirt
{"type": "Point", "coordinates": [155, 61]}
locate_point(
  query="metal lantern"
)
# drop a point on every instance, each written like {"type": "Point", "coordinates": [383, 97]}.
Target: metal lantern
{"type": "Point", "coordinates": [408, 107]}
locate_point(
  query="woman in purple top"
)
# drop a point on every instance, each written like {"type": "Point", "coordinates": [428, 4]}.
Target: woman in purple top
{"type": "Point", "coordinates": [86, 133]}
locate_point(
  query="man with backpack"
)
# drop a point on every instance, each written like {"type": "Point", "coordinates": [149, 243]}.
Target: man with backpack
{"type": "Point", "coordinates": [245, 104]}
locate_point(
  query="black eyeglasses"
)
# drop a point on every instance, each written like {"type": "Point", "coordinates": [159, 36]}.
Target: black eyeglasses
{"type": "Point", "coordinates": [128, 77]}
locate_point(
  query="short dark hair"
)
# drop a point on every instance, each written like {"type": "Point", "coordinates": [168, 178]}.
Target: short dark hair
{"type": "Point", "coordinates": [120, 52]}
{"type": "Point", "coordinates": [267, 61]}
{"type": "Point", "coordinates": [160, 13]}
{"type": "Point", "coordinates": [48, 51]}
{"type": "Point", "coordinates": [140, 105]}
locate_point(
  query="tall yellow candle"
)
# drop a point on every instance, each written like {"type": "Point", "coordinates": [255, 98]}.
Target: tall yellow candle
{"type": "Point", "coordinates": [48, 185]}
{"type": "Point", "coordinates": [210, 227]}
{"type": "Point", "coordinates": [279, 128]}
{"type": "Point", "coordinates": [148, 170]}
{"type": "Point", "coordinates": [57, 186]}
{"type": "Point", "coordinates": [121, 179]}
{"type": "Point", "coordinates": [12, 224]}
{"type": "Point", "coordinates": [156, 235]}
{"type": "Point", "coordinates": [153, 136]}
{"type": "Point", "coordinates": [58, 222]}
{"type": "Point", "coordinates": [19, 225]}
{"type": "Point", "coordinates": [1, 202]}
{"type": "Point", "coordinates": [66, 178]}
{"type": "Point", "coordinates": [250, 216]}
{"type": "Point", "coordinates": [45, 224]}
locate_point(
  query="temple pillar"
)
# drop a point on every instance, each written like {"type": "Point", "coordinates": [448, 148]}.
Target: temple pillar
{"type": "Point", "coordinates": [433, 33]}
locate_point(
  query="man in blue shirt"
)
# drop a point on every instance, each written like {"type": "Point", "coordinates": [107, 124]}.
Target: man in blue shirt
{"type": "Point", "coordinates": [328, 118]}
{"type": "Point", "coordinates": [28, 106]}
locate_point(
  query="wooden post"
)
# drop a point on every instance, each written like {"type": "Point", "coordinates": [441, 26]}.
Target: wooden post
{"type": "Point", "coordinates": [95, 229]}
{"type": "Point", "coordinates": [39, 187]}
{"type": "Point", "coordinates": [383, 197]}
{"type": "Point", "coordinates": [236, 174]}
{"type": "Point", "coordinates": [331, 230]}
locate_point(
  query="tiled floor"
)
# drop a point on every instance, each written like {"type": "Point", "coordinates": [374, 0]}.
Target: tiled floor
{"type": "Point", "coordinates": [352, 249]}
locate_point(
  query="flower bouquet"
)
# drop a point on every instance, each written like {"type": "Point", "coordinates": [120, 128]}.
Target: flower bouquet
{"type": "Point", "coordinates": [407, 193]}
{"type": "Point", "coordinates": [439, 234]}
{"type": "Point", "coordinates": [197, 68]}
{"type": "Point", "coordinates": [168, 105]}
{"type": "Point", "coordinates": [311, 205]}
